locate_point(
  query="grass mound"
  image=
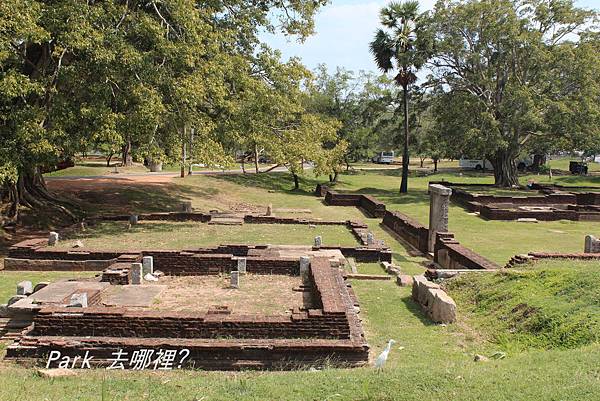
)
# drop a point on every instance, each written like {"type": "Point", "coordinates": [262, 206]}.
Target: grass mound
{"type": "Point", "coordinates": [553, 304]}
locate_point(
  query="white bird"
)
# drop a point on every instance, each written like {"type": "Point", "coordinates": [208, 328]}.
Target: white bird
{"type": "Point", "coordinates": [380, 361]}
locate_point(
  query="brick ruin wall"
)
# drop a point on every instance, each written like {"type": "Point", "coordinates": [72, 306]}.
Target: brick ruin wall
{"type": "Point", "coordinates": [579, 206]}
{"type": "Point", "coordinates": [417, 235]}
{"type": "Point", "coordinates": [368, 203]}
{"type": "Point", "coordinates": [408, 229]}
{"type": "Point", "coordinates": [330, 333]}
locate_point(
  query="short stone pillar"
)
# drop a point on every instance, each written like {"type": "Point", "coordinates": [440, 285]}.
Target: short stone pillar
{"type": "Point", "coordinates": [370, 239]}
{"type": "Point", "coordinates": [25, 288]}
{"type": "Point", "coordinates": [304, 266]}
{"type": "Point", "coordinates": [78, 300]}
{"type": "Point", "coordinates": [136, 273]}
{"type": "Point", "coordinates": [241, 265]}
{"type": "Point", "coordinates": [235, 279]}
{"type": "Point", "coordinates": [133, 219]}
{"type": "Point", "coordinates": [318, 241]}
{"type": "Point", "coordinates": [186, 207]}
{"type": "Point", "coordinates": [269, 210]}
{"type": "Point", "coordinates": [52, 238]}
{"type": "Point", "coordinates": [438, 211]}
{"type": "Point", "coordinates": [147, 265]}
{"type": "Point", "coordinates": [592, 244]}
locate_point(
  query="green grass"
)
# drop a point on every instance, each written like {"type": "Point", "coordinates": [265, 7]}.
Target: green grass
{"type": "Point", "coordinates": [10, 279]}
{"type": "Point", "coordinates": [435, 364]}
{"type": "Point", "coordinates": [552, 304]}
{"type": "Point", "coordinates": [172, 235]}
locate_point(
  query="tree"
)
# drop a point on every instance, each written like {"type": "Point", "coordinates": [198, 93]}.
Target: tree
{"type": "Point", "coordinates": [515, 70]}
{"type": "Point", "coordinates": [405, 42]}
{"type": "Point", "coordinates": [133, 74]}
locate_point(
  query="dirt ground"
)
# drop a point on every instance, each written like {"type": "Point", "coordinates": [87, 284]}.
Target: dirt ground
{"type": "Point", "coordinates": [257, 295]}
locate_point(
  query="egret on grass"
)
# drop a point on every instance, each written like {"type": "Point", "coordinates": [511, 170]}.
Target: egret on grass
{"type": "Point", "coordinates": [380, 361]}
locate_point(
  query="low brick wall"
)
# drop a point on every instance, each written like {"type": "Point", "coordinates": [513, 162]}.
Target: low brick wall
{"type": "Point", "coordinates": [408, 229]}
{"type": "Point", "coordinates": [330, 333]}
{"type": "Point", "coordinates": [450, 254]}
{"type": "Point", "coordinates": [371, 205]}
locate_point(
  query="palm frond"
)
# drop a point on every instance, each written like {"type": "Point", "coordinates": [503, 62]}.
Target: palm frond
{"type": "Point", "coordinates": [383, 48]}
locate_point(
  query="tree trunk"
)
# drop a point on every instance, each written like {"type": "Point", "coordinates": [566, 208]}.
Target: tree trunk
{"type": "Point", "coordinates": [108, 159]}
{"type": "Point", "coordinates": [30, 191]}
{"type": "Point", "coordinates": [256, 159]}
{"type": "Point", "coordinates": [422, 159]}
{"type": "Point", "coordinates": [296, 181]}
{"type": "Point", "coordinates": [243, 165]}
{"type": "Point", "coordinates": [505, 169]}
{"type": "Point", "coordinates": [347, 163]}
{"type": "Point", "coordinates": [183, 155]}
{"type": "Point", "coordinates": [405, 157]}
{"type": "Point", "coordinates": [330, 177]}
{"type": "Point", "coordinates": [538, 161]}
{"type": "Point", "coordinates": [335, 176]}
{"type": "Point", "coordinates": [126, 154]}
{"type": "Point", "coordinates": [191, 145]}
{"type": "Point", "coordinates": [435, 162]}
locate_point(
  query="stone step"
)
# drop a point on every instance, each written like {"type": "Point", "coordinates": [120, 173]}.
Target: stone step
{"type": "Point", "coordinates": [226, 221]}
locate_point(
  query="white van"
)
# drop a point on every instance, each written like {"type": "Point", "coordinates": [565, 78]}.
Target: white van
{"type": "Point", "coordinates": [474, 164]}
{"type": "Point", "coordinates": [383, 157]}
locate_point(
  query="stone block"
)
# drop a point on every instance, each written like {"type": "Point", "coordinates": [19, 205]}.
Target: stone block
{"type": "Point", "coordinates": [443, 309]}
{"type": "Point", "coordinates": [269, 210]}
{"type": "Point", "coordinates": [424, 292]}
{"type": "Point", "coordinates": [25, 288]}
{"type": "Point", "coordinates": [53, 238]}
{"type": "Point", "coordinates": [136, 273]}
{"type": "Point", "coordinates": [241, 265]}
{"type": "Point", "coordinates": [438, 212]}
{"type": "Point", "coordinates": [133, 219]}
{"type": "Point", "coordinates": [404, 280]}
{"type": "Point", "coordinates": [318, 241]}
{"type": "Point", "coordinates": [592, 244]}
{"type": "Point", "coordinates": [235, 279]}
{"type": "Point", "coordinates": [370, 239]}
{"type": "Point", "coordinates": [415, 288]}
{"type": "Point", "coordinates": [147, 265]}
{"type": "Point", "coordinates": [304, 266]}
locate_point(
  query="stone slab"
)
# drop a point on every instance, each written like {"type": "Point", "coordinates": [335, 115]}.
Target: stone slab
{"type": "Point", "coordinates": [131, 295]}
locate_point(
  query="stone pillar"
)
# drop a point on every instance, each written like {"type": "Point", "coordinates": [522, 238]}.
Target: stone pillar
{"type": "Point", "coordinates": [304, 265]}
{"type": "Point", "coordinates": [136, 273]}
{"type": "Point", "coordinates": [269, 210]}
{"type": "Point", "coordinates": [592, 244]}
{"type": "Point", "coordinates": [318, 241]}
{"type": "Point", "coordinates": [235, 279]}
{"type": "Point", "coordinates": [438, 211]}
{"type": "Point", "coordinates": [370, 239]}
{"type": "Point", "coordinates": [25, 288]}
{"type": "Point", "coordinates": [147, 265]}
{"type": "Point", "coordinates": [52, 238]}
{"type": "Point", "coordinates": [186, 207]}
{"type": "Point", "coordinates": [241, 265]}
{"type": "Point", "coordinates": [133, 219]}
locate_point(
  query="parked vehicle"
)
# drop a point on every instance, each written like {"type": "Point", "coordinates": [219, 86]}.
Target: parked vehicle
{"type": "Point", "coordinates": [383, 157]}
{"type": "Point", "coordinates": [475, 164]}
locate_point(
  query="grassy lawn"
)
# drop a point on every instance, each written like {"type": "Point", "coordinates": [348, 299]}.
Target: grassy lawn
{"type": "Point", "coordinates": [552, 353]}
{"type": "Point", "coordinates": [173, 235]}
{"type": "Point", "coordinates": [552, 304]}
{"type": "Point", "coordinates": [436, 363]}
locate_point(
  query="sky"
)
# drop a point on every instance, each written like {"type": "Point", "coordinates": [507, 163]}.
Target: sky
{"type": "Point", "coordinates": [344, 29]}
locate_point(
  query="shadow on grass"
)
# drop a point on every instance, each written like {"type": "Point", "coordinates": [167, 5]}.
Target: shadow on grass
{"type": "Point", "coordinates": [115, 228]}
{"type": "Point", "coordinates": [274, 181]}
{"type": "Point", "coordinates": [416, 310]}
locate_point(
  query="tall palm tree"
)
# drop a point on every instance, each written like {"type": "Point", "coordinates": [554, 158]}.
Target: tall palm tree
{"type": "Point", "coordinates": [403, 44]}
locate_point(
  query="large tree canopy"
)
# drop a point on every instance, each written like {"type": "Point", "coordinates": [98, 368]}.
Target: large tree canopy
{"type": "Point", "coordinates": [132, 75]}
{"type": "Point", "coordinates": [514, 72]}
